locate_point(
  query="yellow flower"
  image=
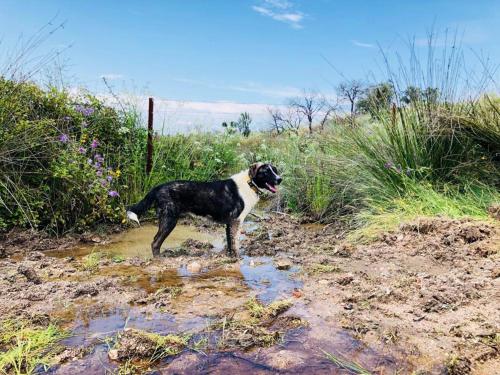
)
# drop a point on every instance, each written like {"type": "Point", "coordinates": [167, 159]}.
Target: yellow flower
{"type": "Point", "coordinates": [118, 173]}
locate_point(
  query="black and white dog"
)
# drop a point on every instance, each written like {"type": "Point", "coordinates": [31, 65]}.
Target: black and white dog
{"type": "Point", "coordinates": [225, 201]}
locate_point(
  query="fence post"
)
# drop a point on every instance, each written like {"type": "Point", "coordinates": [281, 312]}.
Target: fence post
{"type": "Point", "coordinates": [149, 155]}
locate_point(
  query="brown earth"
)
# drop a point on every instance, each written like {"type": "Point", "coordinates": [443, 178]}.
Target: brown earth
{"type": "Point", "coordinates": [423, 298]}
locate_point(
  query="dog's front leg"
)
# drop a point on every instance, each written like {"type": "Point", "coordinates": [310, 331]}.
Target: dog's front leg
{"type": "Point", "coordinates": [233, 237]}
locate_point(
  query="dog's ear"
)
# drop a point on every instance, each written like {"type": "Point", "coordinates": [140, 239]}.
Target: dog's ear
{"type": "Point", "coordinates": [254, 168]}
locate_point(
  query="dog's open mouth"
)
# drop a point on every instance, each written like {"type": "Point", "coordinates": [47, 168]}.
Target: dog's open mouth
{"type": "Point", "coordinates": [271, 188]}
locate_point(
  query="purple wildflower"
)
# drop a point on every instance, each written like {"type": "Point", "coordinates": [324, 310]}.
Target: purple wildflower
{"type": "Point", "coordinates": [84, 124]}
{"type": "Point", "coordinates": [86, 111]}
{"type": "Point", "coordinates": [67, 118]}
{"type": "Point", "coordinates": [99, 158]}
{"type": "Point", "coordinates": [399, 169]}
{"type": "Point", "coordinates": [408, 171]}
{"type": "Point", "coordinates": [82, 150]}
{"type": "Point", "coordinates": [99, 173]}
{"type": "Point", "coordinates": [95, 143]}
{"type": "Point", "coordinates": [89, 161]}
{"type": "Point", "coordinates": [113, 193]}
{"type": "Point", "coordinates": [64, 138]}
{"type": "Point", "coordinates": [109, 178]}
{"type": "Point", "coordinates": [103, 182]}
{"type": "Point", "coordinates": [388, 165]}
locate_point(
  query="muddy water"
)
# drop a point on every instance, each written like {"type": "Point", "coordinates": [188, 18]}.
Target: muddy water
{"type": "Point", "coordinates": [137, 242]}
{"type": "Point", "coordinates": [205, 296]}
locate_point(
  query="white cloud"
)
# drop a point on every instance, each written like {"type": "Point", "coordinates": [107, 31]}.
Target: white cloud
{"type": "Point", "coordinates": [111, 76]}
{"type": "Point", "coordinates": [363, 45]}
{"type": "Point", "coordinates": [277, 92]}
{"type": "Point", "coordinates": [177, 116]}
{"type": "Point", "coordinates": [282, 11]}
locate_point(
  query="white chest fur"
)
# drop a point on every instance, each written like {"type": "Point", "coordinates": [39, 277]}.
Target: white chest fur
{"type": "Point", "coordinates": [250, 197]}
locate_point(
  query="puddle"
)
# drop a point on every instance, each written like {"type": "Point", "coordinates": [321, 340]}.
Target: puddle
{"type": "Point", "coordinates": [137, 242]}
{"type": "Point", "coordinates": [205, 296]}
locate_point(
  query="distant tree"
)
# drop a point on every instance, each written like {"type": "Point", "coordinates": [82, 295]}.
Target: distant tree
{"type": "Point", "coordinates": [414, 95]}
{"type": "Point", "coordinates": [309, 105]}
{"type": "Point", "coordinates": [411, 95]}
{"type": "Point", "coordinates": [276, 120]}
{"type": "Point", "coordinates": [376, 99]}
{"type": "Point", "coordinates": [351, 91]}
{"type": "Point", "coordinates": [431, 95]}
{"type": "Point", "coordinates": [244, 124]}
{"type": "Point", "coordinates": [230, 127]}
{"type": "Point", "coordinates": [288, 120]}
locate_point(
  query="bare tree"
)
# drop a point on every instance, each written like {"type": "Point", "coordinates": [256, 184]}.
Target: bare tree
{"type": "Point", "coordinates": [276, 119]}
{"type": "Point", "coordinates": [288, 120]}
{"type": "Point", "coordinates": [309, 105]}
{"type": "Point", "coordinates": [292, 119]}
{"type": "Point", "coordinates": [327, 113]}
{"type": "Point", "coordinates": [351, 91]}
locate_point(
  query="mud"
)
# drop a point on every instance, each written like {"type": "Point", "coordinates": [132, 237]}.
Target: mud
{"type": "Point", "coordinates": [423, 298]}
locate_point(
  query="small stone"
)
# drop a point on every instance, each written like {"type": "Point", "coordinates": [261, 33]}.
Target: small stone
{"type": "Point", "coordinates": [283, 264]}
{"type": "Point", "coordinates": [323, 282]}
{"type": "Point", "coordinates": [113, 354]}
{"type": "Point", "coordinates": [194, 267]}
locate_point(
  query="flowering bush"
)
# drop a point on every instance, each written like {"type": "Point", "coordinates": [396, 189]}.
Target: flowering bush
{"type": "Point", "coordinates": [62, 158]}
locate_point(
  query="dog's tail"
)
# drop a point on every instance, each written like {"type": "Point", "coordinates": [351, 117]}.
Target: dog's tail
{"type": "Point", "coordinates": [136, 210]}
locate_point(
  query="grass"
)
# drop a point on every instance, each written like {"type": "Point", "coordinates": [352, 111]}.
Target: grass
{"type": "Point", "coordinates": [25, 347]}
{"type": "Point", "coordinates": [351, 366]}
{"type": "Point", "coordinates": [90, 262]}
{"type": "Point", "coordinates": [141, 345]}
{"type": "Point", "coordinates": [424, 200]}
{"type": "Point", "coordinates": [322, 268]}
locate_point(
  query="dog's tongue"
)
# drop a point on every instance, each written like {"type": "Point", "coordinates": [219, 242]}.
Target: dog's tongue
{"type": "Point", "coordinates": [271, 187]}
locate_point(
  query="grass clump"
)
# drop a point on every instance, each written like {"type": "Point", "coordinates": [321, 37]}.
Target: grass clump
{"type": "Point", "coordinates": [351, 366]}
{"type": "Point", "coordinates": [25, 347]}
{"type": "Point", "coordinates": [90, 262]}
{"type": "Point", "coordinates": [322, 268]}
{"type": "Point", "coordinates": [134, 344]}
{"type": "Point", "coordinates": [266, 312]}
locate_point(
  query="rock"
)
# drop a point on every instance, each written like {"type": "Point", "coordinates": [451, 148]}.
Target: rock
{"type": "Point", "coordinates": [194, 267]}
{"type": "Point", "coordinates": [283, 264]}
{"type": "Point", "coordinates": [323, 282]}
{"type": "Point", "coordinates": [85, 289]}
{"type": "Point", "coordinates": [113, 354]}
{"type": "Point", "coordinates": [345, 280]}
{"type": "Point", "coordinates": [30, 274]}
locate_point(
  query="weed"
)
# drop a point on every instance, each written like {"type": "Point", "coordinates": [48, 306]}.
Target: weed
{"type": "Point", "coordinates": [351, 366]}
{"type": "Point", "coordinates": [322, 268]}
{"type": "Point", "coordinates": [117, 258]}
{"type": "Point", "coordinates": [26, 347]}
{"type": "Point", "coordinates": [91, 262]}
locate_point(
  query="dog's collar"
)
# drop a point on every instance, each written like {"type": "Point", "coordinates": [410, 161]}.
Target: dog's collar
{"type": "Point", "coordinates": [254, 187]}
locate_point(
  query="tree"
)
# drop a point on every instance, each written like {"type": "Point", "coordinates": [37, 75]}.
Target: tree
{"type": "Point", "coordinates": [276, 120]}
{"type": "Point", "coordinates": [351, 91]}
{"type": "Point", "coordinates": [309, 105]}
{"type": "Point", "coordinates": [411, 95]}
{"type": "Point", "coordinates": [376, 99]}
{"type": "Point", "coordinates": [289, 120]}
{"type": "Point", "coordinates": [244, 124]}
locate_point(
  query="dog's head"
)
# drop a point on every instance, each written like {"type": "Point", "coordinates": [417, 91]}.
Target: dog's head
{"type": "Point", "coordinates": [265, 176]}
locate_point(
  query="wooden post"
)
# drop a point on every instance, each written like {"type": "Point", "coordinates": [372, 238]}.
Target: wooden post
{"type": "Point", "coordinates": [149, 156]}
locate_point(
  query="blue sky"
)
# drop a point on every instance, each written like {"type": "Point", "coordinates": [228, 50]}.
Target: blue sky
{"type": "Point", "coordinates": [245, 51]}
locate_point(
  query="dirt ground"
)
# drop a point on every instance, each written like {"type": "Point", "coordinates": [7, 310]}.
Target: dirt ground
{"type": "Point", "coordinates": [424, 299]}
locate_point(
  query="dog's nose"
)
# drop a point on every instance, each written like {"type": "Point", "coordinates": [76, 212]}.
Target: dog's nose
{"type": "Point", "coordinates": [278, 180]}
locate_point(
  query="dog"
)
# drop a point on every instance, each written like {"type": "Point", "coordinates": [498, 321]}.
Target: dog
{"type": "Point", "coordinates": [225, 201]}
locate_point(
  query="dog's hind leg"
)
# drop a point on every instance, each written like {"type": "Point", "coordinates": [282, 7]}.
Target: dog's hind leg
{"type": "Point", "coordinates": [168, 221]}
{"type": "Point", "coordinates": [233, 237]}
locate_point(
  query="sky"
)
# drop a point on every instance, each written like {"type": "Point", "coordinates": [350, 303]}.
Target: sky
{"type": "Point", "coordinates": [205, 61]}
